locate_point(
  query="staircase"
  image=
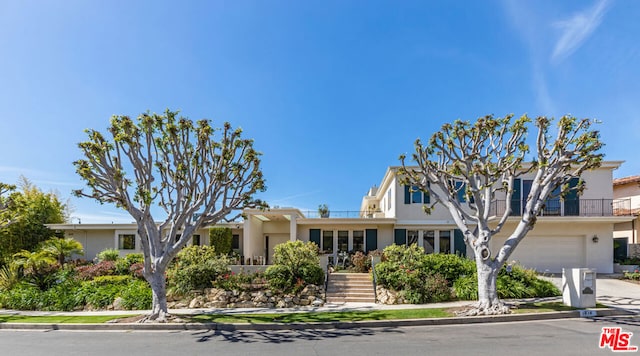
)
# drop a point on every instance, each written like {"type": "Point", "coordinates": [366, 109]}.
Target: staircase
{"type": "Point", "coordinates": [350, 287]}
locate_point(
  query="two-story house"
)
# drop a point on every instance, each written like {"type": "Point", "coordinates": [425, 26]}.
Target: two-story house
{"type": "Point", "coordinates": [625, 234]}
{"type": "Point", "coordinates": [576, 231]}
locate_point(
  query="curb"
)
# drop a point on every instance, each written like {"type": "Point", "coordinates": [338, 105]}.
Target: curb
{"type": "Point", "coordinates": [318, 325]}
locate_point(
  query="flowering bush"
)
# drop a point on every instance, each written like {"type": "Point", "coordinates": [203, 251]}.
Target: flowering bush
{"type": "Point", "coordinates": [361, 262]}
{"type": "Point", "coordinates": [104, 268]}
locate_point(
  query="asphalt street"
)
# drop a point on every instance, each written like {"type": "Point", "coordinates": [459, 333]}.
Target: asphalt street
{"type": "Point", "coordinates": [559, 337]}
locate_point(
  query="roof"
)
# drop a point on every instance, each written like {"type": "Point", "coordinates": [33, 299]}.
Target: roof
{"type": "Point", "coordinates": [626, 180]}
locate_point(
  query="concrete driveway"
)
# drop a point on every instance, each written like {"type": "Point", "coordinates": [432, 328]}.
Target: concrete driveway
{"type": "Point", "coordinates": [613, 292]}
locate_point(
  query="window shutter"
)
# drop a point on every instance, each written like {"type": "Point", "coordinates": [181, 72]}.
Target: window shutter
{"type": "Point", "coordinates": [314, 236]}
{"type": "Point", "coordinates": [400, 237]}
{"type": "Point", "coordinates": [458, 241]}
{"type": "Point", "coordinates": [372, 239]}
{"type": "Point", "coordinates": [407, 195]}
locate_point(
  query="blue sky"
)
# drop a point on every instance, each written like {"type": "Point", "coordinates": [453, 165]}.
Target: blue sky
{"type": "Point", "coordinates": [331, 91]}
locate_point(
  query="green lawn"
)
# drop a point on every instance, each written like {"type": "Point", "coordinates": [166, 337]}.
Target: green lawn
{"type": "Point", "coordinates": [323, 316]}
{"type": "Point", "coordinates": [394, 314]}
{"type": "Point", "coordinates": [61, 319]}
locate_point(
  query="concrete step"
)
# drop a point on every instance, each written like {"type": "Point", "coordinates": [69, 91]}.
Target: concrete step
{"type": "Point", "coordinates": [350, 300]}
{"type": "Point", "coordinates": [350, 289]}
{"type": "Point", "coordinates": [349, 284]}
{"type": "Point", "coordinates": [350, 276]}
{"type": "Point", "coordinates": [349, 295]}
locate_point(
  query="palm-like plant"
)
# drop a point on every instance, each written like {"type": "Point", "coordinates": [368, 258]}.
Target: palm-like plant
{"type": "Point", "coordinates": [61, 249]}
{"type": "Point", "coordinates": [33, 262]}
{"type": "Point", "coordinates": [9, 276]}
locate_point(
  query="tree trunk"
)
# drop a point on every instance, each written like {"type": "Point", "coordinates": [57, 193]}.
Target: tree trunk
{"type": "Point", "coordinates": [488, 301]}
{"type": "Point", "coordinates": [158, 284]}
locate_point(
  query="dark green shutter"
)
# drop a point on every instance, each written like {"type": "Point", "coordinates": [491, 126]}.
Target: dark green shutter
{"type": "Point", "coordinates": [372, 239]}
{"type": "Point", "coordinates": [516, 198]}
{"type": "Point", "coordinates": [400, 237]}
{"type": "Point", "coordinates": [314, 236]}
{"type": "Point", "coordinates": [458, 240]}
{"type": "Point", "coordinates": [571, 200]}
{"type": "Point", "coordinates": [407, 195]}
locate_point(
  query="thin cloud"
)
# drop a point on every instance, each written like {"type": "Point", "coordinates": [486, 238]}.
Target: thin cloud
{"type": "Point", "coordinates": [287, 199]}
{"type": "Point", "coordinates": [577, 29]}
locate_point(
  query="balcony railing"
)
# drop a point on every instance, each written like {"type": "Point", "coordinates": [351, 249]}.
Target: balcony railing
{"type": "Point", "coordinates": [345, 214]}
{"type": "Point", "coordinates": [552, 207]}
{"type": "Point", "coordinates": [577, 207]}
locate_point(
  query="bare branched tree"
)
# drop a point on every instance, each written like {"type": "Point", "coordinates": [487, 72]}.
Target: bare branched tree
{"type": "Point", "coordinates": [480, 162]}
{"type": "Point", "coordinates": [198, 175]}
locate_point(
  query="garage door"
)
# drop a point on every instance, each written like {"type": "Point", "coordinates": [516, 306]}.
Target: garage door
{"type": "Point", "coordinates": [551, 254]}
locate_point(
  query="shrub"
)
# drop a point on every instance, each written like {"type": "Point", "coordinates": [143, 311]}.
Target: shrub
{"type": "Point", "coordinates": [294, 254]}
{"type": "Point", "coordinates": [466, 287]}
{"type": "Point", "coordinates": [519, 283]}
{"type": "Point", "coordinates": [632, 275]}
{"type": "Point", "coordinates": [409, 256]}
{"type": "Point", "coordinates": [402, 268]}
{"type": "Point", "coordinates": [450, 266]}
{"type": "Point", "coordinates": [62, 296]}
{"type": "Point", "coordinates": [221, 239]}
{"type": "Point", "coordinates": [405, 269]}
{"type": "Point", "coordinates": [311, 274]}
{"type": "Point", "coordinates": [22, 297]}
{"type": "Point", "coordinates": [136, 295]}
{"type": "Point", "coordinates": [9, 276]}
{"type": "Point", "coordinates": [296, 264]}
{"type": "Point", "coordinates": [123, 265]}
{"type": "Point", "coordinates": [110, 254]}
{"type": "Point", "coordinates": [101, 291]}
{"type": "Point", "coordinates": [196, 267]}
{"type": "Point", "coordinates": [361, 262]}
{"type": "Point", "coordinates": [136, 270]}
{"type": "Point", "coordinates": [434, 289]}
{"type": "Point", "coordinates": [104, 268]}
{"type": "Point", "coordinates": [279, 277]}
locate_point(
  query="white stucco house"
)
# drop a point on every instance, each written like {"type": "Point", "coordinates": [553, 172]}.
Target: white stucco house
{"type": "Point", "coordinates": [575, 232]}
{"type": "Point", "coordinates": [625, 234]}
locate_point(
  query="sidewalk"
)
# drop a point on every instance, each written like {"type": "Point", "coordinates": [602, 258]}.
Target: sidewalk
{"type": "Point", "coordinates": [622, 297]}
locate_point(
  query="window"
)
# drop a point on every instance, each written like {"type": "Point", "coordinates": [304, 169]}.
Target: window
{"type": "Point", "coordinates": [429, 241]}
{"type": "Point", "coordinates": [389, 199]}
{"type": "Point", "coordinates": [178, 236]}
{"type": "Point", "coordinates": [195, 240]}
{"type": "Point", "coordinates": [127, 242]}
{"type": "Point", "coordinates": [343, 240]}
{"type": "Point", "coordinates": [327, 241]}
{"type": "Point", "coordinates": [358, 240]}
{"type": "Point", "coordinates": [445, 242]}
{"type": "Point", "coordinates": [412, 237]}
{"type": "Point", "coordinates": [235, 242]}
{"type": "Point", "coordinates": [413, 195]}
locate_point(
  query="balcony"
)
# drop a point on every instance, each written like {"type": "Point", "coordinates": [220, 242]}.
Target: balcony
{"type": "Point", "coordinates": [577, 207]}
{"type": "Point", "coordinates": [345, 214]}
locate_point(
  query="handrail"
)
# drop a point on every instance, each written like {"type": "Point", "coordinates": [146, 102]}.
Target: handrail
{"type": "Point", "coordinates": [326, 281]}
{"type": "Point", "coordinates": [375, 280]}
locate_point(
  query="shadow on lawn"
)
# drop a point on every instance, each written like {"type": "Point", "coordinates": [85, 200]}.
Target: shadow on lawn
{"type": "Point", "coordinates": [287, 336]}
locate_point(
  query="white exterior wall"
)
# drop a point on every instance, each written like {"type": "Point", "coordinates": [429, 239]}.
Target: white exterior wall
{"type": "Point", "coordinates": [253, 240]}
{"type": "Point", "coordinates": [558, 235]}
{"type": "Point", "coordinates": [93, 241]}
